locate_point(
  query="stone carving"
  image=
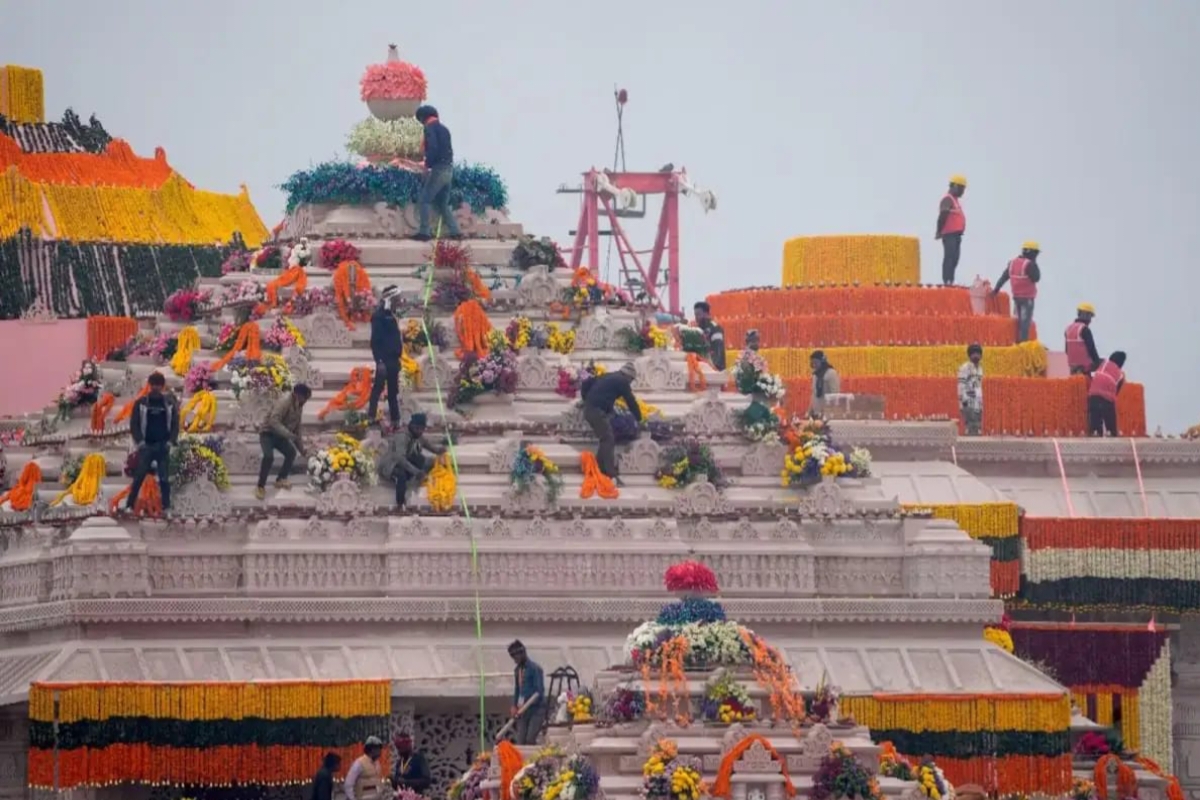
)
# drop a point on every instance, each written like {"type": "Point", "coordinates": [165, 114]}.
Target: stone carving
{"type": "Point", "coordinates": [572, 419]}
{"type": "Point", "coordinates": [450, 742]}
{"type": "Point", "coordinates": [757, 760]}
{"type": "Point", "coordinates": [538, 289]}
{"type": "Point", "coordinates": [656, 372]}
{"type": "Point", "coordinates": [733, 737]}
{"type": "Point", "coordinates": [825, 499]}
{"type": "Point", "coordinates": [241, 455]}
{"type": "Point", "coordinates": [322, 328]}
{"type": "Point", "coordinates": [438, 369]}
{"type": "Point", "coordinates": [188, 574]}
{"type": "Point", "coordinates": [250, 411]}
{"type": "Point", "coordinates": [302, 370]}
{"type": "Point", "coordinates": [596, 331]}
{"type": "Point", "coordinates": [536, 497]}
{"type": "Point", "coordinates": [344, 498]}
{"type": "Point", "coordinates": [640, 457]}
{"type": "Point", "coordinates": [764, 459]}
{"type": "Point", "coordinates": [503, 455]}
{"type": "Point", "coordinates": [271, 530]}
{"type": "Point", "coordinates": [200, 498]}
{"type": "Point", "coordinates": [700, 498]}
{"type": "Point", "coordinates": [709, 416]}
{"type": "Point", "coordinates": [814, 747]}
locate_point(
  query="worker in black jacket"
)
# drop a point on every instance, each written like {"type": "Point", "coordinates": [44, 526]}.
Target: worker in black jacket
{"type": "Point", "coordinates": [154, 425]}
{"type": "Point", "coordinates": [387, 345]}
{"type": "Point", "coordinates": [439, 176]}
{"type": "Point", "coordinates": [599, 396]}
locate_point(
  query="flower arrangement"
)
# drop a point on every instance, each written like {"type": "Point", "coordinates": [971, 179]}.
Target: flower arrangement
{"type": "Point", "coordinates": [531, 462]}
{"type": "Point", "coordinates": [726, 700]}
{"type": "Point", "coordinates": [576, 780]}
{"type": "Point", "coordinates": [450, 255]}
{"type": "Point", "coordinates": [267, 257]}
{"type": "Point", "coordinates": [687, 461]}
{"type": "Point", "coordinates": [470, 785]}
{"type": "Point", "coordinates": [282, 335]}
{"type": "Point", "coordinates": [815, 456]}
{"type": "Point", "coordinates": [248, 292]}
{"type": "Point", "coordinates": [237, 261]}
{"type": "Point", "coordinates": [531, 252]}
{"type": "Point", "coordinates": [495, 372]}
{"type": "Point", "coordinates": [702, 645]}
{"type": "Point", "coordinates": [271, 374]}
{"type": "Point", "coordinates": [751, 376]}
{"type": "Point", "coordinates": [571, 380]}
{"type": "Point", "coordinates": [450, 290]}
{"type": "Point", "coordinates": [575, 706]}
{"type": "Point", "coordinates": [198, 458]}
{"type": "Point", "coordinates": [393, 80]}
{"type": "Point", "coordinates": [379, 140]}
{"type": "Point", "coordinates": [692, 340]}
{"type": "Point", "coordinates": [184, 305]}
{"type": "Point", "coordinates": [691, 609]}
{"type": "Point", "coordinates": [825, 699]}
{"type": "Point", "coordinates": [647, 337]}
{"type": "Point", "coordinates": [557, 340]}
{"type": "Point", "coordinates": [691, 578]}
{"type": "Point", "coordinates": [535, 775]}
{"type": "Point", "coordinates": [933, 782]}
{"type": "Point", "coordinates": [355, 423]}
{"type": "Point", "coordinates": [428, 332]}
{"type": "Point", "coordinates": [161, 346]}
{"type": "Point", "coordinates": [893, 765]}
{"type": "Point", "coordinates": [344, 183]}
{"type": "Point", "coordinates": [84, 389]}
{"type": "Point", "coordinates": [335, 251]}
{"type": "Point", "coordinates": [841, 775]}
{"type": "Point", "coordinates": [623, 704]}
{"type": "Point", "coordinates": [999, 637]}
{"type": "Point", "coordinates": [758, 423]}
{"type": "Point", "coordinates": [519, 333]}
{"type": "Point", "coordinates": [1083, 789]}
{"type": "Point", "coordinates": [345, 457]}
{"type": "Point", "coordinates": [666, 775]}
{"type": "Point", "coordinates": [1095, 744]}
{"type": "Point", "coordinates": [301, 254]}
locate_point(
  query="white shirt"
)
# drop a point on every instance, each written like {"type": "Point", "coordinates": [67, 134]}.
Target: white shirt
{"type": "Point", "coordinates": [352, 779]}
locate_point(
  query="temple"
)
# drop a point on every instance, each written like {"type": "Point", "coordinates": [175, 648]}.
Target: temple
{"type": "Point", "coordinates": [1018, 607]}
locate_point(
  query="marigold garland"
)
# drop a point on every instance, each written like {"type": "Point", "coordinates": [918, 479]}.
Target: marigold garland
{"type": "Point", "coordinates": [1174, 790]}
{"type": "Point", "coordinates": [248, 342]}
{"type": "Point", "coordinates": [482, 292]}
{"type": "Point", "coordinates": [350, 279]}
{"type": "Point", "coordinates": [100, 411]}
{"type": "Point", "coordinates": [595, 482]}
{"type": "Point", "coordinates": [105, 334]}
{"type": "Point", "coordinates": [471, 325]}
{"type": "Point", "coordinates": [293, 276]}
{"type": "Point", "coordinates": [903, 301]}
{"type": "Point", "coordinates": [771, 671]}
{"type": "Point", "coordinates": [149, 502]}
{"type": "Point", "coordinates": [354, 395]}
{"type": "Point", "coordinates": [23, 96]}
{"type": "Point", "coordinates": [870, 258]}
{"type": "Point", "coordinates": [511, 761]}
{"type": "Point", "coordinates": [995, 524]}
{"type": "Point", "coordinates": [199, 413]}
{"type": "Point", "coordinates": [117, 166]}
{"type": "Point", "coordinates": [1023, 360]}
{"type": "Point", "coordinates": [819, 328]}
{"type": "Point", "coordinates": [441, 485]}
{"type": "Point", "coordinates": [695, 376]}
{"type": "Point", "coordinates": [187, 344]}
{"type": "Point", "coordinates": [20, 497]}
{"type": "Point", "coordinates": [960, 713]}
{"type": "Point", "coordinates": [86, 487]}
{"type": "Point", "coordinates": [723, 785]}
{"type": "Point", "coordinates": [670, 701]}
{"type": "Point", "coordinates": [1126, 777]}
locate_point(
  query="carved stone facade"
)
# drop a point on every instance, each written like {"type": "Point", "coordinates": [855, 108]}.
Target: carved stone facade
{"type": "Point", "coordinates": [1186, 706]}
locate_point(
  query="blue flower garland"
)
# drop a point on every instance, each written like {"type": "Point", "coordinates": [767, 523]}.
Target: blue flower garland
{"type": "Point", "coordinates": [339, 182]}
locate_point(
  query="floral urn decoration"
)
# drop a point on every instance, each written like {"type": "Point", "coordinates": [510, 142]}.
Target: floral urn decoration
{"type": "Point", "coordinates": [394, 89]}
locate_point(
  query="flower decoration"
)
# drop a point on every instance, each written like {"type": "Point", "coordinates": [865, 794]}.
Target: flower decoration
{"type": "Point", "coordinates": [893, 765]}
{"type": "Point", "coordinates": [758, 423]}
{"type": "Point", "coordinates": [638, 340]}
{"type": "Point", "coordinates": [666, 774]}
{"type": "Point", "coordinates": [282, 335]}
{"type": "Point", "coordinates": [386, 141]}
{"type": "Point", "coordinates": [237, 261]}
{"type": "Point", "coordinates": [815, 456]}
{"type": "Point", "coordinates": [726, 700]}
{"type": "Point", "coordinates": [532, 251]}
{"type": "Point", "coordinates": [1083, 789]}
{"type": "Point", "coordinates": [184, 305]}
{"type": "Point", "coordinates": [271, 375]}
{"type": "Point", "coordinates": [691, 609]}
{"type": "Point", "coordinates": [426, 332]}
{"type": "Point", "coordinates": [335, 251]}
{"type": "Point", "coordinates": [268, 257]}
{"type": "Point", "coordinates": [71, 467]}
{"type": "Point", "coordinates": [932, 782]}
{"type": "Point", "coordinates": [346, 457]}
{"type": "Point", "coordinates": [532, 779]}
{"type": "Point", "coordinates": [825, 700]}
{"type": "Point", "coordinates": [624, 704]}
{"type": "Point", "coordinates": [685, 462]}
{"type": "Point", "coordinates": [571, 380]}
{"type": "Point", "coordinates": [470, 785]}
{"type": "Point", "coordinates": [692, 340]}
{"type": "Point", "coordinates": [575, 705]}
{"type": "Point", "coordinates": [999, 637]}
{"type": "Point", "coordinates": [519, 333]}
{"type": "Point", "coordinates": [530, 464]}
{"type": "Point", "coordinates": [840, 774]}
{"type": "Point", "coordinates": [198, 458]}
{"type": "Point", "coordinates": [343, 183]}
{"type": "Point", "coordinates": [84, 388]}
{"type": "Point", "coordinates": [577, 779]}
{"type": "Point", "coordinates": [496, 372]}
{"type": "Point", "coordinates": [393, 80]}
{"type": "Point", "coordinates": [557, 340]}
{"type": "Point", "coordinates": [751, 376]}
{"type": "Point", "coordinates": [691, 577]}
{"type": "Point", "coordinates": [247, 293]}
{"type": "Point", "coordinates": [1093, 744]}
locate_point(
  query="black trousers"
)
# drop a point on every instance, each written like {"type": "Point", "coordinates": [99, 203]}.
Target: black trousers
{"type": "Point", "coordinates": [1102, 415]}
{"type": "Point", "coordinates": [951, 250]}
{"type": "Point", "coordinates": [389, 375]}
{"type": "Point", "coordinates": [401, 476]}
{"type": "Point", "coordinates": [157, 454]}
{"type": "Point", "coordinates": [270, 443]}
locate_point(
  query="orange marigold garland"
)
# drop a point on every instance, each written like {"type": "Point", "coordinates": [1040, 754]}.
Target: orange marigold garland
{"type": "Point", "coordinates": [100, 411]}
{"type": "Point", "coordinates": [20, 497]}
{"type": "Point", "coordinates": [149, 502]}
{"type": "Point", "coordinates": [127, 410]}
{"type": "Point", "coordinates": [354, 395]}
{"type": "Point", "coordinates": [294, 276]}
{"type": "Point", "coordinates": [595, 482]}
{"type": "Point", "coordinates": [672, 695]}
{"type": "Point", "coordinates": [105, 334]}
{"type": "Point", "coordinates": [1174, 790]}
{"type": "Point", "coordinates": [1126, 777]}
{"type": "Point", "coordinates": [349, 280]}
{"type": "Point", "coordinates": [471, 325]}
{"type": "Point", "coordinates": [511, 761]}
{"type": "Point", "coordinates": [772, 673]}
{"type": "Point", "coordinates": [723, 785]}
{"type": "Point", "coordinates": [248, 342]}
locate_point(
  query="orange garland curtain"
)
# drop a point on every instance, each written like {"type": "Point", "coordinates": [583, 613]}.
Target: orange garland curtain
{"type": "Point", "coordinates": [471, 325]}
{"type": "Point", "coordinates": [836, 301]}
{"type": "Point", "coordinates": [105, 334]}
{"type": "Point", "coordinates": [118, 165]}
{"type": "Point", "coordinates": [859, 330]}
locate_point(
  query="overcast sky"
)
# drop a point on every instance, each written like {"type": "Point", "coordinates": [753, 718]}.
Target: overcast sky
{"type": "Point", "coordinates": [1075, 122]}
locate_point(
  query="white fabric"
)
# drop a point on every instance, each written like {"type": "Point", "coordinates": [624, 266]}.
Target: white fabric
{"type": "Point", "coordinates": [352, 778]}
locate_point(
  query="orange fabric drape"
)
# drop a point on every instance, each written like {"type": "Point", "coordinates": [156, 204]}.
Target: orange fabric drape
{"type": "Point", "coordinates": [354, 395]}
{"type": "Point", "coordinates": [294, 277]}
{"type": "Point", "coordinates": [595, 482]}
{"type": "Point", "coordinates": [471, 324]}
{"type": "Point", "coordinates": [511, 761]}
{"type": "Point", "coordinates": [723, 787]}
{"type": "Point", "coordinates": [249, 342]}
{"type": "Point", "coordinates": [105, 334]}
{"type": "Point", "coordinates": [20, 497]}
{"type": "Point", "coordinates": [100, 411]}
{"type": "Point", "coordinates": [127, 410]}
{"type": "Point", "coordinates": [149, 502]}
{"type": "Point", "coordinates": [839, 300]}
{"type": "Point", "coordinates": [350, 278]}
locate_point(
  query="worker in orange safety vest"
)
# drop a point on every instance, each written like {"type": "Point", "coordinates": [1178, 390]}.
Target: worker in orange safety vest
{"type": "Point", "coordinates": [951, 224]}
{"type": "Point", "coordinates": [1082, 356]}
{"type": "Point", "coordinates": [1024, 273]}
{"type": "Point", "coordinates": [1106, 384]}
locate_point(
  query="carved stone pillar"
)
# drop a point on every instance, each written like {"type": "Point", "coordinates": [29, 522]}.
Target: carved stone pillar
{"type": "Point", "coordinates": [1186, 707]}
{"type": "Point", "coordinates": [14, 743]}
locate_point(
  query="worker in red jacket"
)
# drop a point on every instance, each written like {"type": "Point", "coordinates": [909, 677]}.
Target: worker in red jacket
{"type": "Point", "coordinates": [951, 224]}
{"type": "Point", "coordinates": [1082, 356]}
{"type": "Point", "coordinates": [1106, 384]}
{"type": "Point", "coordinates": [1024, 273]}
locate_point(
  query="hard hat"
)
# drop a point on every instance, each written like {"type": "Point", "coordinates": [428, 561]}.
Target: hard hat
{"type": "Point", "coordinates": [961, 180]}
{"type": "Point", "coordinates": [1031, 245]}
{"type": "Point", "coordinates": [1086, 308]}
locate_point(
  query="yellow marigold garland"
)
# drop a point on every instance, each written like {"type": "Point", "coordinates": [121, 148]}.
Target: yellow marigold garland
{"type": "Point", "coordinates": [865, 259]}
{"type": "Point", "coordinates": [187, 343]}
{"type": "Point", "coordinates": [999, 637]}
{"type": "Point", "coordinates": [1027, 359]}
{"type": "Point", "coordinates": [20, 205]}
{"type": "Point", "coordinates": [199, 412]}
{"type": "Point", "coordinates": [86, 486]}
{"type": "Point", "coordinates": [410, 369]}
{"type": "Point", "coordinates": [24, 99]}
{"type": "Point", "coordinates": [967, 713]}
{"type": "Point", "coordinates": [979, 520]}
{"type": "Point", "coordinates": [441, 484]}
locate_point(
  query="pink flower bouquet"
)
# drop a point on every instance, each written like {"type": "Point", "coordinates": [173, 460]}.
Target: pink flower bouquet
{"type": "Point", "coordinates": [393, 80]}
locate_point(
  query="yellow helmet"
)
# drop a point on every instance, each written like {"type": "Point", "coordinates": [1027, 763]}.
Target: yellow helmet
{"type": "Point", "coordinates": [961, 180]}
{"type": "Point", "coordinates": [1086, 308]}
{"type": "Point", "coordinates": [1029, 244]}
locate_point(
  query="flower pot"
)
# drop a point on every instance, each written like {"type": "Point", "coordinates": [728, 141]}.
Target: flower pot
{"type": "Point", "coordinates": [387, 109]}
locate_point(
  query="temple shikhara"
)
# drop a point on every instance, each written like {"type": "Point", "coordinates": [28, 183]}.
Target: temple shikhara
{"type": "Point", "coordinates": [802, 571]}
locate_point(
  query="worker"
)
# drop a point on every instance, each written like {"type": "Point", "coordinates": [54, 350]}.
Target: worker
{"type": "Point", "coordinates": [1082, 356]}
{"type": "Point", "coordinates": [970, 390]}
{"type": "Point", "coordinates": [1024, 273]}
{"type": "Point", "coordinates": [1106, 384]}
{"type": "Point", "coordinates": [951, 225]}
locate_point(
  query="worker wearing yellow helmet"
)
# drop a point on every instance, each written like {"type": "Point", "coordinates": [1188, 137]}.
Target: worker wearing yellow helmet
{"type": "Point", "coordinates": [951, 225]}
{"type": "Point", "coordinates": [1024, 273]}
{"type": "Point", "coordinates": [1082, 356]}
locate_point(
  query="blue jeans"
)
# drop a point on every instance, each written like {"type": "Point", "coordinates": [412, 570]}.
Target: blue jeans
{"type": "Point", "coordinates": [1024, 309]}
{"type": "Point", "coordinates": [436, 192]}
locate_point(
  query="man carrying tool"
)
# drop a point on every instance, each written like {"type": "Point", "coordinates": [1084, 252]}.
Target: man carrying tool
{"type": "Point", "coordinates": [529, 686]}
{"type": "Point", "coordinates": [1082, 356]}
{"type": "Point", "coordinates": [951, 224]}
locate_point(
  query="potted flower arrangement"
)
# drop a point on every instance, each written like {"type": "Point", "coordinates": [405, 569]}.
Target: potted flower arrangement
{"type": "Point", "coordinates": [692, 340]}
{"type": "Point", "coordinates": [666, 775]}
{"type": "Point", "coordinates": [355, 423]}
{"type": "Point", "coordinates": [751, 377]}
{"type": "Point", "coordinates": [823, 707]}
{"type": "Point", "coordinates": [530, 463]}
{"type": "Point", "coordinates": [726, 700]}
{"type": "Point", "coordinates": [84, 389]}
{"type": "Point", "coordinates": [335, 251]}
{"type": "Point", "coordinates": [574, 705]}
{"type": "Point", "coordinates": [395, 142]}
{"type": "Point", "coordinates": [470, 785]}
{"type": "Point", "coordinates": [933, 782]}
{"type": "Point", "coordinates": [185, 305]}
{"type": "Point", "coordinates": [532, 251]}
{"type": "Point", "coordinates": [270, 375]}
{"type": "Point", "coordinates": [576, 779]}
{"type": "Point", "coordinates": [345, 458]}
{"type": "Point", "coordinates": [282, 335]}
{"type": "Point", "coordinates": [198, 458]}
{"type": "Point", "coordinates": [393, 89]}
{"type": "Point", "coordinates": [571, 379]}
{"type": "Point", "coordinates": [495, 373]}
{"type": "Point", "coordinates": [535, 775]}
{"type": "Point", "coordinates": [758, 423]}
{"type": "Point", "coordinates": [269, 257]}
{"type": "Point", "coordinates": [687, 461]}
{"type": "Point", "coordinates": [814, 456]}
{"type": "Point", "coordinates": [519, 333]}
{"type": "Point", "coordinates": [622, 705]}
{"type": "Point", "coordinates": [841, 775]}
{"type": "Point", "coordinates": [639, 340]}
